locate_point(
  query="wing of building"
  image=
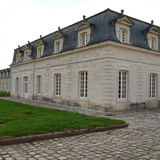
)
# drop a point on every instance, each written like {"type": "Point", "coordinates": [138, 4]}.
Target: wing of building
{"type": "Point", "coordinates": [109, 61]}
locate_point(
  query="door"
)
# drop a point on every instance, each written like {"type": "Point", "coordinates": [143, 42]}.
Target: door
{"type": "Point", "coordinates": [25, 87]}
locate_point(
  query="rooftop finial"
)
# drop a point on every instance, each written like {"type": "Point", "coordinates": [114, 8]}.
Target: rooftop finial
{"type": "Point", "coordinates": [28, 42]}
{"type": "Point", "coordinates": [84, 17]}
{"type": "Point", "coordinates": [40, 36]}
{"type": "Point", "coordinates": [152, 21]}
{"type": "Point", "coordinates": [59, 29]}
{"type": "Point", "coordinates": [122, 11]}
{"type": "Point", "coordinates": [18, 46]}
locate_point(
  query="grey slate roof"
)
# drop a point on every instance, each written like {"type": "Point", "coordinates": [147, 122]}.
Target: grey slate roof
{"type": "Point", "coordinates": [103, 29]}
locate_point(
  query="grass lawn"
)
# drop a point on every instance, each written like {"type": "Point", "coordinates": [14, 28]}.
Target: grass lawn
{"type": "Point", "coordinates": [3, 94]}
{"type": "Point", "coordinates": [18, 119]}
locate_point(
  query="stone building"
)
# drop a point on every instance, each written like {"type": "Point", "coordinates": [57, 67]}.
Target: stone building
{"type": "Point", "coordinates": [5, 80]}
{"type": "Point", "coordinates": [109, 61]}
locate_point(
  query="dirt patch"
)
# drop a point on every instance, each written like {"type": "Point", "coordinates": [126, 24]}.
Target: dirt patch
{"type": "Point", "coordinates": [2, 124]}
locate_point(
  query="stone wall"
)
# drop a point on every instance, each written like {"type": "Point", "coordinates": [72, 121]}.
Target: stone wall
{"type": "Point", "coordinates": [103, 62]}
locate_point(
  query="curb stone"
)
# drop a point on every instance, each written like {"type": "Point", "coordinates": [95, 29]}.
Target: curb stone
{"type": "Point", "coordinates": [33, 138]}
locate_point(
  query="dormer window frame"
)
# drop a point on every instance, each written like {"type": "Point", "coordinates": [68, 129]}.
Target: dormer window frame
{"type": "Point", "coordinates": [40, 47]}
{"type": "Point", "coordinates": [84, 38]}
{"type": "Point", "coordinates": [58, 41]}
{"type": "Point", "coordinates": [27, 51]}
{"type": "Point", "coordinates": [152, 37]}
{"type": "Point", "coordinates": [122, 29]}
{"type": "Point", "coordinates": [122, 35]}
{"type": "Point", "coordinates": [84, 33]}
{"type": "Point", "coordinates": [40, 50]}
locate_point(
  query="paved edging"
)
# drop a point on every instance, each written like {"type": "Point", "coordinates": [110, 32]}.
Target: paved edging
{"type": "Point", "coordinates": [33, 138]}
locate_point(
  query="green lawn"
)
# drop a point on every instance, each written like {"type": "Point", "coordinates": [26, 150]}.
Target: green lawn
{"type": "Point", "coordinates": [3, 94]}
{"type": "Point", "coordinates": [18, 119]}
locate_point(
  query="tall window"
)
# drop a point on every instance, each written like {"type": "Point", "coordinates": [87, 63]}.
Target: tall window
{"type": "Point", "coordinates": [58, 84]}
{"type": "Point", "coordinates": [25, 84]}
{"type": "Point", "coordinates": [17, 85]}
{"type": "Point", "coordinates": [152, 86]}
{"type": "Point", "coordinates": [39, 84]}
{"type": "Point", "coordinates": [83, 84]}
{"type": "Point", "coordinates": [0, 86]}
{"type": "Point", "coordinates": [58, 46]}
{"type": "Point", "coordinates": [6, 86]}
{"type": "Point", "coordinates": [84, 39]}
{"type": "Point", "coordinates": [122, 85]}
{"type": "Point", "coordinates": [122, 36]}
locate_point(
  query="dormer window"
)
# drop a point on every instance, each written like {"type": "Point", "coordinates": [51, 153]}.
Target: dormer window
{"type": "Point", "coordinates": [122, 35]}
{"type": "Point", "coordinates": [17, 58]}
{"type": "Point", "coordinates": [27, 51]}
{"type": "Point", "coordinates": [84, 32]}
{"type": "Point", "coordinates": [58, 46]}
{"type": "Point", "coordinates": [58, 41]}
{"type": "Point", "coordinates": [152, 37]}
{"type": "Point", "coordinates": [84, 39]}
{"type": "Point", "coordinates": [39, 51]}
{"type": "Point", "coordinates": [18, 55]}
{"type": "Point", "coordinates": [122, 28]}
{"type": "Point", "coordinates": [40, 47]}
{"type": "Point", "coordinates": [153, 43]}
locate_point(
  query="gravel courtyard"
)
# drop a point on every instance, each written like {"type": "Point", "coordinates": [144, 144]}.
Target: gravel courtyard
{"type": "Point", "coordinates": [140, 141]}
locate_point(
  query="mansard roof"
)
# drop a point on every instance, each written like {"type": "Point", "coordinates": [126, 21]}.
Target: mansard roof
{"type": "Point", "coordinates": [103, 29]}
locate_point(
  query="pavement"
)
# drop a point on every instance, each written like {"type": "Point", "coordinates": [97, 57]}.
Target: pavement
{"type": "Point", "coordinates": [140, 141]}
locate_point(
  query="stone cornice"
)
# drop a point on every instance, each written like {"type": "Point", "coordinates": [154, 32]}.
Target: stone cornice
{"type": "Point", "coordinates": [84, 48]}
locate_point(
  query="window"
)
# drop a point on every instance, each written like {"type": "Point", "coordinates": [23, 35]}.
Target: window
{"type": "Point", "coordinates": [58, 46]}
{"type": "Point", "coordinates": [152, 86]}
{"type": "Point", "coordinates": [0, 86]}
{"type": "Point", "coordinates": [3, 86]}
{"type": "Point", "coordinates": [122, 36]}
{"type": "Point", "coordinates": [84, 39]}
{"type": "Point", "coordinates": [6, 86]}
{"type": "Point", "coordinates": [83, 84]}
{"type": "Point", "coordinates": [25, 84]}
{"type": "Point", "coordinates": [17, 57]}
{"type": "Point", "coordinates": [39, 51]}
{"type": "Point", "coordinates": [39, 84]}
{"type": "Point", "coordinates": [122, 85]}
{"type": "Point", "coordinates": [17, 85]}
{"type": "Point", "coordinates": [58, 84]}
{"type": "Point", "coordinates": [153, 43]}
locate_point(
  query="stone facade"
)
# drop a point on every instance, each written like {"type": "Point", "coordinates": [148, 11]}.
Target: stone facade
{"type": "Point", "coordinates": [5, 80]}
{"type": "Point", "coordinates": [111, 73]}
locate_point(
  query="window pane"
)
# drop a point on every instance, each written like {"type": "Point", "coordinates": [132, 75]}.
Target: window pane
{"type": "Point", "coordinates": [122, 85]}
{"type": "Point", "coordinates": [83, 84]}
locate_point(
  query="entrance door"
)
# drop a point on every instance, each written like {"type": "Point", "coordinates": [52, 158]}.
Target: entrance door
{"type": "Point", "coordinates": [25, 87]}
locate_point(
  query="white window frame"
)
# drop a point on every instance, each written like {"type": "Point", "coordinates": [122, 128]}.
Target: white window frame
{"type": "Point", "coordinates": [58, 46]}
{"type": "Point", "coordinates": [153, 43]}
{"type": "Point", "coordinates": [7, 86]}
{"type": "Point", "coordinates": [122, 85]}
{"type": "Point", "coordinates": [153, 85]}
{"type": "Point", "coordinates": [26, 84]}
{"type": "Point", "coordinates": [40, 51]}
{"type": "Point", "coordinates": [57, 84]}
{"type": "Point", "coordinates": [17, 85]}
{"type": "Point", "coordinates": [83, 84]}
{"type": "Point", "coordinates": [84, 39]}
{"type": "Point", "coordinates": [39, 84]}
{"type": "Point", "coordinates": [17, 57]}
{"type": "Point", "coordinates": [122, 35]}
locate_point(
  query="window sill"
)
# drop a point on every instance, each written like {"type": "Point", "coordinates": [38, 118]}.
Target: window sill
{"type": "Point", "coordinates": [84, 98]}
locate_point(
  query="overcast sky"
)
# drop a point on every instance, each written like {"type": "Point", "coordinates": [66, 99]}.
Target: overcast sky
{"type": "Point", "coordinates": [25, 20]}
